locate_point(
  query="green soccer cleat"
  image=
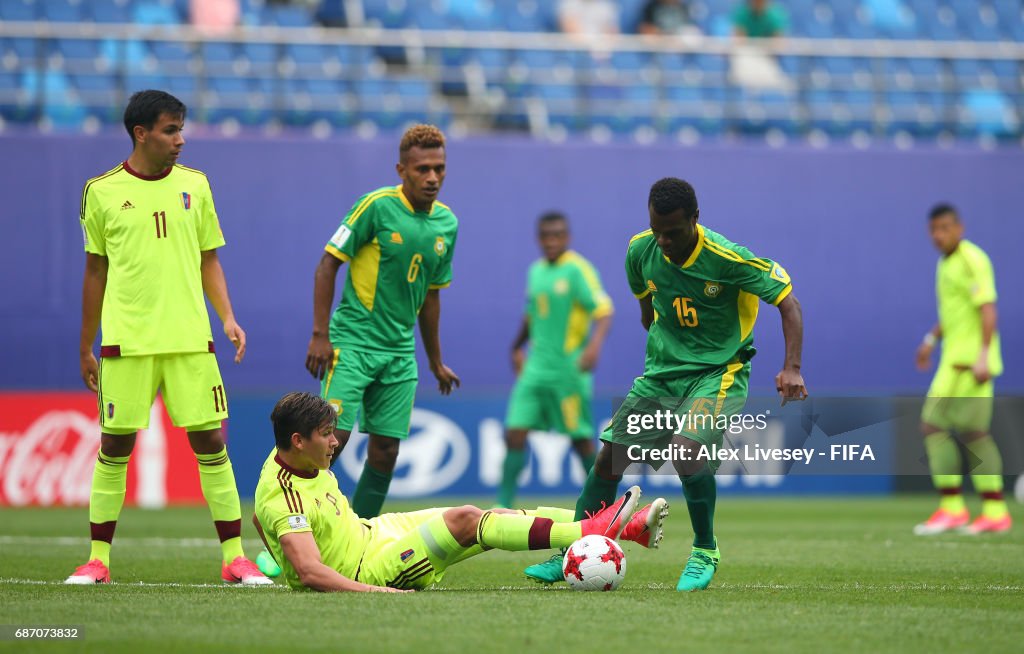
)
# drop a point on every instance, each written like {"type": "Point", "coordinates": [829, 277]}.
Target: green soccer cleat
{"type": "Point", "coordinates": [549, 572]}
{"type": "Point", "coordinates": [699, 569]}
{"type": "Point", "coordinates": [267, 565]}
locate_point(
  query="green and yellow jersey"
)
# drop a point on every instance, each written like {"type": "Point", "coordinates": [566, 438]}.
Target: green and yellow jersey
{"type": "Point", "coordinates": [152, 230]}
{"type": "Point", "coordinates": [290, 501]}
{"type": "Point", "coordinates": [562, 299]}
{"type": "Point", "coordinates": [705, 309]}
{"type": "Point", "coordinates": [964, 281]}
{"type": "Point", "coordinates": [397, 254]}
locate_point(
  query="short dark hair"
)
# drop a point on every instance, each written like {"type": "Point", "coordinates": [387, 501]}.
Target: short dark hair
{"type": "Point", "coordinates": [671, 194]}
{"type": "Point", "coordinates": [942, 209]}
{"type": "Point", "coordinates": [299, 412]}
{"type": "Point", "coordinates": [420, 136]}
{"type": "Point", "coordinates": [144, 108]}
{"type": "Point", "coordinates": [552, 217]}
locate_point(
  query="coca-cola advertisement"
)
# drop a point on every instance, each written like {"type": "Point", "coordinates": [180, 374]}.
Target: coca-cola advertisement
{"type": "Point", "coordinates": [48, 445]}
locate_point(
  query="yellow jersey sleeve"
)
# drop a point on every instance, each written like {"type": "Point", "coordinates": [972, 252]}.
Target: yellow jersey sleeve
{"type": "Point", "coordinates": [282, 512]}
{"type": "Point", "coordinates": [589, 292]}
{"type": "Point", "coordinates": [92, 220]}
{"type": "Point", "coordinates": [209, 232]}
{"type": "Point", "coordinates": [982, 282]}
{"type": "Point", "coordinates": [357, 229]}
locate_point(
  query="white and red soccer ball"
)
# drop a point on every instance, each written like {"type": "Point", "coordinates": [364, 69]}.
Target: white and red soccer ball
{"type": "Point", "coordinates": [594, 563]}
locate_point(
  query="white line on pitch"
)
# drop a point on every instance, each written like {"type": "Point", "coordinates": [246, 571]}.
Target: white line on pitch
{"type": "Point", "coordinates": [127, 540]}
{"type": "Point", "coordinates": [38, 582]}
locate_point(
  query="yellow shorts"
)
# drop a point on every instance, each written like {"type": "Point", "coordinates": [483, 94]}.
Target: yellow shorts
{"type": "Point", "coordinates": [408, 550]}
{"type": "Point", "coordinates": [190, 385]}
{"type": "Point", "coordinates": [957, 402]}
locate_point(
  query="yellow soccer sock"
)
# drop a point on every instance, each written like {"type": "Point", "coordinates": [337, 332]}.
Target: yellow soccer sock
{"type": "Point", "coordinates": [552, 513]}
{"type": "Point", "coordinates": [217, 479]}
{"type": "Point", "coordinates": [109, 483]}
{"type": "Point", "coordinates": [987, 475]}
{"type": "Point", "coordinates": [945, 465]}
{"type": "Point", "coordinates": [506, 531]}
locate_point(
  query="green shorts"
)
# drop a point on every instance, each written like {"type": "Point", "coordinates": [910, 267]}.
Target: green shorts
{"type": "Point", "coordinates": [190, 385]}
{"type": "Point", "coordinates": [956, 401]}
{"type": "Point", "coordinates": [382, 386]}
{"type": "Point", "coordinates": [704, 401]}
{"type": "Point", "coordinates": [563, 407]}
{"type": "Point", "coordinates": [408, 550]}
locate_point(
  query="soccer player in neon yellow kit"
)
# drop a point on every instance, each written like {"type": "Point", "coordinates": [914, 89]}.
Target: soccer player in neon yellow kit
{"type": "Point", "coordinates": [568, 315]}
{"type": "Point", "coordinates": [323, 545]}
{"type": "Point", "coordinates": [960, 396]}
{"type": "Point", "coordinates": [698, 295]}
{"type": "Point", "coordinates": [399, 241]}
{"type": "Point", "coordinates": [151, 237]}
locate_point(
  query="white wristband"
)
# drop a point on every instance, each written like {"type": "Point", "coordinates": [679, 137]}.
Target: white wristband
{"type": "Point", "coordinates": [929, 339]}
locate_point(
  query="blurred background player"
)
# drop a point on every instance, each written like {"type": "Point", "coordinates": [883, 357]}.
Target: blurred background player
{"type": "Point", "coordinates": [323, 545]}
{"type": "Point", "coordinates": [960, 396]}
{"type": "Point", "coordinates": [698, 296]}
{"type": "Point", "coordinates": [151, 237]}
{"type": "Point", "coordinates": [400, 241]}
{"type": "Point", "coordinates": [568, 315]}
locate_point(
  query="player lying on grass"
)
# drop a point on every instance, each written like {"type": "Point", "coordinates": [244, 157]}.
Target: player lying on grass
{"type": "Point", "coordinates": [323, 545]}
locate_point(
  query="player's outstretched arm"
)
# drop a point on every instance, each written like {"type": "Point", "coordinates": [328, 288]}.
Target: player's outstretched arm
{"type": "Point", "coordinates": [430, 318]}
{"type": "Point", "coordinates": [789, 382]}
{"type": "Point", "coordinates": [646, 312]}
{"type": "Point", "coordinates": [522, 337]}
{"type": "Point", "coordinates": [94, 285]}
{"type": "Point", "coordinates": [216, 288]}
{"type": "Point", "coordinates": [302, 553]}
{"type": "Point", "coordinates": [320, 353]}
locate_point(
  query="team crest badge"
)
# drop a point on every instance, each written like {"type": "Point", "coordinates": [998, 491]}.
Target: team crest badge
{"type": "Point", "coordinates": [712, 289]}
{"type": "Point", "coordinates": [439, 245]}
{"type": "Point", "coordinates": [396, 237]}
{"type": "Point", "coordinates": [186, 201]}
{"type": "Point", "coordinates": [406, 555]}
{"type": "Point", "coordinates": [779, 274]}
{"type": "Point", "coordinates": [110, 410]}
{"type": "Point", "coordinates": [562, 286]}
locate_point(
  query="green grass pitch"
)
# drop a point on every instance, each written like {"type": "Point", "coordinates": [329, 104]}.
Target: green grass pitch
{"type": "Point", "coordinates": [797, 575]}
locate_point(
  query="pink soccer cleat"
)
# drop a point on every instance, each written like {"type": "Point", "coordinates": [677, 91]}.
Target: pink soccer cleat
{"type": "Point", "coordinates": [941, 522]}
{"type": "Point", "coordinates": [983, 524]}
{"type": "Point", "coordinates": [645, 527]}
{"type": "Point", "coordinates": [610, 520]}
{"type": "Point", "coordinates": [93, 572]}
{"type": "Point", "coordinates": [243, 571]}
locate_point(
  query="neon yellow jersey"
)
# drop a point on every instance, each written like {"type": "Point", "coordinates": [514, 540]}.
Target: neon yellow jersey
{"type": "Point", "coordinates": [964, 281]}
{"type": "Point", "coordinates": [397, 254]}
{"type": "Point", "coordinates": [705, 309]}
{"type": "Point", "coordinates": [152, 230]}
{"type": "Point", "coordinates": [562, 299]}
{"type": "Point", "coordinates": [290, 501]}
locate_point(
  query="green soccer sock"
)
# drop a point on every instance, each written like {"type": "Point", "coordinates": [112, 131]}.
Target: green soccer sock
{"type": "Point", "coordinates": [515, 533]}
{"type": "Point", "coordinates": [515, 461]}
{"type": "Point", "coordinates": [596, 494]}
{"type": "Point", "coordinates": [109, 483]}
{"type": "Point", "coordinates": [370, 492]}
{"type": "Point", "coordinates": [217, 479]}
{"type": "Point", "coordinates": [945, 465]}
{"type": "Point", "coordinates": [701, 492]}
{"type": "Point", "coordinates": [552, 513]}
{"type": "Point", "coordinates": [987, 475]}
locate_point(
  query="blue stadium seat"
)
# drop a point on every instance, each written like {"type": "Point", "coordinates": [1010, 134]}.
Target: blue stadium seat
{"type": "Point", "coordinates": [520, 16]}
{"type": "Point", "coordinates": [61, 11]}
{"type": "Point", "coordinates": [286, 16]}
{"type": "Point", "coordinates": [155, 13]}
{"type": "Point", "coordinates": [18, 10]}
{"type": "Point", "coordinates": [988, 113]}
{"type": "Point", "coordinates": [15, 106]}
{"type": "Point", "coordinates": [110, 11]}
{"type": "Point", "coordinates": [61, 107]}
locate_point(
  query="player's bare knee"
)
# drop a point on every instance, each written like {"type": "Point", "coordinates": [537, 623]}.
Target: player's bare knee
{"type": "Point", "coordinates": [462, 522]}
{"type": "Point", "coordinates": [515, 439]}
{"type": "Point", "coordinates": [584, 447]}
{"type": "Point", "coordinates": [119, 445]}
{"type": "Point", "coordinates": [207, 441]}
{"type": "Point", "coordinates": [603, 465]}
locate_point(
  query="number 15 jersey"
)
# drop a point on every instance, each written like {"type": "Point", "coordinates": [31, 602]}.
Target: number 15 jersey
{"type": "Point", "coordinates": [705, 309]}
{"type": "Point", "coordinates": [152, 230]}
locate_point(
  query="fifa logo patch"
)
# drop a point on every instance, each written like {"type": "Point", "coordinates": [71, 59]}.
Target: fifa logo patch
{"type": "Point", "coordinates": [406, 555]}
{"type": "Point", "coordinates": [439, 245]}
{"type": "Point", "coordinates": [186, 201]}
{"type": "Point", "coordinates": [337, 406]}
{"type": "Point", "coordinates": [779, 274]}
{"type": "Point", "coordinates": [712, 289]}
{"type": "Point", "coordinates": [110, 410]}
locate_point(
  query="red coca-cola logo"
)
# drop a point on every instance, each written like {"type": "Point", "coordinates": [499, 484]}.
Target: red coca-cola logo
{"type": "Point", "coordinates": [51, 462]}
